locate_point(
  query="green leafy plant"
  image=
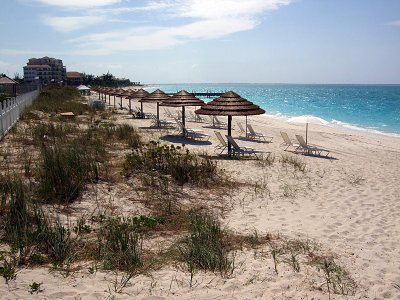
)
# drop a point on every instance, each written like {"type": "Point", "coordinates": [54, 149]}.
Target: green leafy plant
{"type": "Point", "coordinates": [337, 279]}
{"type": "Point", "coordinates": [7, 267]}
{"type": "Point", "coordinates": [294, 161]}
{"type": "Point", "coordinates": [206, 248]}
{"type": "Point", "coordinates": [35, 287]}
{"type": "Point", "coordinates": [183, 166]}
{"type": "Point", "coordinates": [119, 244]}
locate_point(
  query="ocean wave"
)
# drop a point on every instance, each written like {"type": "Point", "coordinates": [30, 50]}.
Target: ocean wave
{"type": "Point", "coordinates": [339, 124]}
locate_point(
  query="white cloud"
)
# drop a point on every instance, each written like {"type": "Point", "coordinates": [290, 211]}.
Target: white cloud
{"type": "Point", "coordinates": [395, 23]}
{"type": "Point", "coordinates": [207, 9]}
{"type": "Point", "coordinates": [79, 3]}
{"type": "Point", "coordinates": [4, 64]}
{"type": "Point", "coordinates": [66, 24]}
{"type": "Point", "coordinates": [209, 19]}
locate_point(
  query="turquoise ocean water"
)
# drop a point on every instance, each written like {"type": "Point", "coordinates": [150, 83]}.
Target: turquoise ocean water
{"type": "Point", "coordinates": [364, 107]}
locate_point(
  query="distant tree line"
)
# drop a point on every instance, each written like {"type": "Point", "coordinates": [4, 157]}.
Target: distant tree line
{"type": "Point", "coordinates": [105, 80]}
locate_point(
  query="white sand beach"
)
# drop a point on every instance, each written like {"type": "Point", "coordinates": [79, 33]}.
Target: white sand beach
{"type": "Point", "coordinates": [348, 204]}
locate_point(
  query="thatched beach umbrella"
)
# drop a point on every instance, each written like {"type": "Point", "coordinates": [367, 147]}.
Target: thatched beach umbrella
{"type": "Point", "coordinates": [306, 119]}
{"type": "Point", "coordinates": [139, 94]}
{"type": "Point", "coordinates": [183, 99]}
{"type": "Point", "coordinates": [230, 104]}
{"type": "Point", "coordinates": [157, 96]}
{"type": "Point", "coordinates": [117, 93]}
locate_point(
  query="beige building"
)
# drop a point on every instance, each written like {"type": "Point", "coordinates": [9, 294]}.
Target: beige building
{"type": "Point", "coordinates": [45, 70]}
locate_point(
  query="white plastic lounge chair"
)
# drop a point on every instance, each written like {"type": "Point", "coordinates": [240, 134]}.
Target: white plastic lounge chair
{"type": "Point", "coordinates": [256, 135]}
{"type": "Point", "coordinates": [159, 122]}
{"type": "Point", "coordinates": [168, 113]}
{"type": "Point", "coordinates": [222, 143]}
{"type": "Point", "coordinates": [237, 150]}
{"type": "Point", "coordinates": [195, 117]}
{"type": "Point", "coordinates": [242, 132]}
{"type": "Point", "coordinates": [191, 133]}
{"type": "Point", "coordinates": [311, 149]}
{"type": "Point", "coordinates": [216, 123]}
{"type": "Point", "coordinates": [288, 142]}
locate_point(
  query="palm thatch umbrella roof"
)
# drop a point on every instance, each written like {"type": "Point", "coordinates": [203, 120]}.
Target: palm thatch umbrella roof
{"type": "Point", "coordinates": [183, 99]}
{"type": "Point", "coordinates": [139, 94]}
{"type": "Point", "coordinates": [157, 96]}
{"type": "Point", "coordinates": [230, 104]}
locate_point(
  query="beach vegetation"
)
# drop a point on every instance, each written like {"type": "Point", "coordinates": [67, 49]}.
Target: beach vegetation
{"type": "Point", "coordinates": [54, 99]}
{"type": "Point", "coordinates": [206, 248]}
{"type": "Point", "coordinates": [35, 287]}
{"type": "Point", "coordinates": [119, 243]}
{"type": "Point", "coordinates": [337, 279]}
{"type": "Point", "coordinates": [177, 162]}
{"type": "Point", "coordinates": [8, 266]}
{"type": "Point", "coordinates": [294, 161]}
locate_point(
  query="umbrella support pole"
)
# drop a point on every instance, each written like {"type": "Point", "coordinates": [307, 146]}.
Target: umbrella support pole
{"type": "Point", "coordinates": [306, 132]}
{"type": "Point", "coordinates": [246, 127]}
{"type": "Point", "coordinates": [229, 133]}
{"type": "Point", "coordinates": [158, 114]}
{"type": "Point", "coordinates": [183, 120]}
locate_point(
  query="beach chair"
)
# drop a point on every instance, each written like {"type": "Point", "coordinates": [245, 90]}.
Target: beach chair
{"type": "Point", "coordinates": [288, 142]}
{"type": "Point", "coordinates": [168, 113]}
{"type": "Point", "coordinates": [159, 122]}
{"type": "Point", "coordinates": [237, 150]}
{"type": "Point", "coordinates": [222, 143]}
{"type": "Point", "coordinates": [191, 133]}
{"type": "Point", "coordinates": [242, 131]}
{"type": "Point", "coordinates": [311, 149]}
{"type": "Point", "coordinates": [216, 123]}
{"type": "Point", "coordinates": [253, 135]}
{"type": "Point", "coordinates": [195, 117]}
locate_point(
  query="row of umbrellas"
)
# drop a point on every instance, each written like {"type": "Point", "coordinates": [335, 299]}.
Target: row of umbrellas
{"type": "Point", "coordinates": [228, 104]}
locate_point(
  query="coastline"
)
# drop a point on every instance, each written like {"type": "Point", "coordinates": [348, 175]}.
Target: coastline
{"type": "Point", "coordinates": [348, 205]}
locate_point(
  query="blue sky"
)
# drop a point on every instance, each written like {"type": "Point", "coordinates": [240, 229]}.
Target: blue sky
{"type": "Point", "coordinates": [216, 41]}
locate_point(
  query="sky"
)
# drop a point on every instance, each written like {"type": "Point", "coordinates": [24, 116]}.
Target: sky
{"type": "Point", "coordinates": [208, 41]}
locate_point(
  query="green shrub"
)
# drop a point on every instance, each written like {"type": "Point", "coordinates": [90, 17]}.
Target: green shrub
{"type": "Point", "coordinates": [119, 244]}
{"type": "Point", "coordinates": [297, 163]}
{"type": "Point", "coordinates": [205, 248]}
{"type": "Point", "coordinates": [58, 240]}
{"type": "Point", "coordinates": [65, 169]}
{"type": "Point", "coordinates": [183, 166]}
{"type": "Point", "coordinates": [14, 209]}
{"type": "Point", "coordinates": [58, 99]}
{"type": "Point", "coordinates": [45, 131]}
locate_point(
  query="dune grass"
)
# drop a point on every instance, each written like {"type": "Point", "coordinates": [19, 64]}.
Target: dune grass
{"type": "Point", "coordinates": [58, 99]}
{"type": "Point", "coordinates": [182, 165]}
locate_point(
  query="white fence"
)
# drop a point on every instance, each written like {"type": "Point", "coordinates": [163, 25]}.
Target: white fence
{"type": "Point", "coordinates": [11, 110]}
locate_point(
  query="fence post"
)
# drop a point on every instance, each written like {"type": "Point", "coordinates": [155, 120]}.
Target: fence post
{"type": "Point", "coordinates": [11, 110]}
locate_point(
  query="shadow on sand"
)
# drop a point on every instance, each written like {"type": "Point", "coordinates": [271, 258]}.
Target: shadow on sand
{"type": "Point", "coordinates": [176, 139]}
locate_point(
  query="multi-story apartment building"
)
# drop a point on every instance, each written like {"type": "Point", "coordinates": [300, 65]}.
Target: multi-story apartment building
{"type": "Point", "coordinates": [74, 78]}
{"type": "Point", "coordinates": [45, 70]}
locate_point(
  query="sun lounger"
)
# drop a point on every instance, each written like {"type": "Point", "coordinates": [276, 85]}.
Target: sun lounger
{"type": "Point", "coordinates": [288, 142]}
{"type": "Point", "coordinates": [311, 149]}
{"type": "Point", "coordinates": [195, 117]}
{"type": "Point", "coordinates": [159, 122]}
{"type": "Point", "coordinates": [256, 135]}
{"type": "Point", "coordinates": [222, 143]}
{"type": "Point", "coordinates": [191, 133]}
{"type": "Point", "coordinates": [168, 113]}
{"type": "Point", "coordinates": [237, 150]}
{"type": "Point", "coordinates": [216, 123]}
{"type": "Point", "coordinates": [242, 131]}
